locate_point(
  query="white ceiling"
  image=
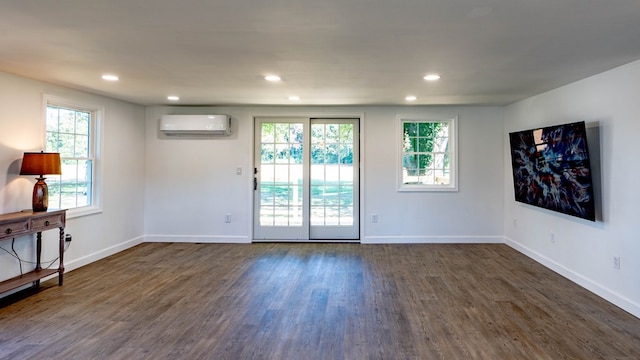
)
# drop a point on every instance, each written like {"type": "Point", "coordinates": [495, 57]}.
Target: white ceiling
{"type": "Point", "coordinates": [339, 52]}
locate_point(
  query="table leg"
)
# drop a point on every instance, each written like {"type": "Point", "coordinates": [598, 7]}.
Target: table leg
{"type": "Point", "coordinates": [61, 268]}
{"type": "Point", "coordinates": [38, 255]}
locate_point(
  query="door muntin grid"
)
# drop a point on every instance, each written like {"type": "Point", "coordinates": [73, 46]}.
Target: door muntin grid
{"type": "Point", "coordinates": [281, 174]}
{"type": "Point", "coordinates": [332, 183]}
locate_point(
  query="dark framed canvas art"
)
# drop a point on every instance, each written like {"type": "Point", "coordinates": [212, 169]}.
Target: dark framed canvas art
{"type": "Point", "coordinates": [551, 169]}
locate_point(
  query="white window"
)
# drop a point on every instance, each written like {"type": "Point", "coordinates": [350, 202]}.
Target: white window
{"type": "Point", "coordinates": [427, 156]}
{"type": "Point", "coordinates": [71, 130]}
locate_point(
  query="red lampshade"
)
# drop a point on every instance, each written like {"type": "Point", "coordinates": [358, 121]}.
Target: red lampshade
{"type": "Point", "coordinates": [40, 163]}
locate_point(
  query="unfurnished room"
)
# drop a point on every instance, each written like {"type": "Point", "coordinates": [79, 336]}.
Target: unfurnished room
{"type": "Point", "coordinates": [411, 179]}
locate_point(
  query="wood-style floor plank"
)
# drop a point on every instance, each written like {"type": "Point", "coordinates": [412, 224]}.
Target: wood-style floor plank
{"type": "Point", "coordinates": [315, 301]}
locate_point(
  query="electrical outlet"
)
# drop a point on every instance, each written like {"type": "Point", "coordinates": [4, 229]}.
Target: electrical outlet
{"type": "Point", "coordinates": [227, 218]}
{"type": "Point", "coordinates": [616, 262]}
{"type": "Point", "coordinates": [374, 218]}
{"type": "Point", "coordinates": [553, 237]}
{"type": "Point", "coordinates": [239, 171]}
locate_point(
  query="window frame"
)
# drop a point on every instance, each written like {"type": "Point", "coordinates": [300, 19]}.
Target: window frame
{"type": "Point", "coordinates": [452, 122]}
{"type": "Point", "coordinates": [95, 146]}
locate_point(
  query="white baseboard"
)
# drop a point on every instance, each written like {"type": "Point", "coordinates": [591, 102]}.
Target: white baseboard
{"type": "Point", "coordinates": [209, 239]}
{"type": "Point", "coordinates": [101, 254]}
{"type": "Point", "coordinates": [433, 240]}
{"type": "Point", "coordinates": [598, 289]}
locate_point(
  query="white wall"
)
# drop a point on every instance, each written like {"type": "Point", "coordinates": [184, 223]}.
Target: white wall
{"type": "Point", "coordinates": [180, 189]}
{"type": "Point", "coordinates": [191, 183]}
{"type": "Point", "coordinates": [583, 251]}
{"type": "Point", "coordinates": [120, 225]}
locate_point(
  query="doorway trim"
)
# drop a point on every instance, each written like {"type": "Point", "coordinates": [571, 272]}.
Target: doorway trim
{"type": "Point", "coordinates": [361, 169]}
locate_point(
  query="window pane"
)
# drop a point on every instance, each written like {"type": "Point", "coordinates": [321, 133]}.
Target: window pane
{"type": "Point", "coordinates": [82, 194]}
{"type": "Point", "coordinates": [332, 215]}
{"type": "Point", "coordinates": [296, 153]}
{"type": "Point", "coordinates": [346, 133]}
{"type": "Point", "coordinates": [332, 133]}
{"type": "Point", "coordinates": [267, 217]}
{"type": "Point", "coordinates": [282, 133]}
{"type": "Point", "coordinates": [426, 156]}
{"type": "Point", "coordinates": [67, 121]}
{"type": "Point", "coordinates": [425, 161]}
{"type": "Point", "coordinates": [439, 161]}
{"type": "Point", "coordinates": [281, 173]}
{"type": "Point", "coordinates": [81, 146]}
{"type": "Point", "coordinates": [410, 129]}
{"type": "Point", "coordinates": [346, 174]}
{"type": "Point", "coordinates": [52, 142]}
{"type": "Point", "coordinates": [68, 131]}
{"type": "Point", "coordinates": [268, 132]}
{"type": "Point", "coordinates": [441, 177]}
{"type": "Point", "coordinates": [295, 216]}
{"type": "Point", "coordinates": [65, 145]}
{"type": "Point", "coordinates": [441, 144]}
{"type": "Point", "coordinates": [425, 144]}
{"type": "Point", "coordinates": [331, 154]}
{"type": "Point", "coordinates": [296, 133]}
{"type": "Point", "coordinates": [317, 174]}
{"type": "Point", "coordinates": [267, 173]}
{"type": "Point", "coordinates": [282, 153]}
{"type": "Point", "coordinates": [267, 194]}
{"type": "Point", "coordinates": [53, 183]}
{"type": "Point", "coordinates": [317, 154]}
{"type": "Point", "coordinates": [317, 195]}
{"type": "Point", "coordinates": [281, 195]}
{"type": "Point", "coordinates": [267, 153]}
{"type": "Point", "coordinates": [52, 119]}
{"type": "Point", "coordinates": [346, 154]}
{"type": "Point", "coordinates": [317, 133]}
{"type": "Point", "coordinates": [346, 215]}
{"type": "Point", "coordinates": [82, 124]}
{"type": "Point", "coordinates": [84, 170]}
{"type": "Point", "coordinates": [317, 215]}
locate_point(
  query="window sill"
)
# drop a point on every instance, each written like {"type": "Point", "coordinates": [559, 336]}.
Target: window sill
{"type": "Point", "coordinates": [83, 211]}
{"type": "Point", "coordinates": [426, 188]}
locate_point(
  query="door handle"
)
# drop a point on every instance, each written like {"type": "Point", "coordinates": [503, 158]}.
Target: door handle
{"type": "Point", "coordinates": [255, 184]}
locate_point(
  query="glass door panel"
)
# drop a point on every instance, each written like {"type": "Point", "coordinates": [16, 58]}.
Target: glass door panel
{"type": "Point", "coordinates": [306, 187]}
{"type": "Point", "coordinates": [280, 180]}
{"type": "Point", "coordinates": [334, 179]}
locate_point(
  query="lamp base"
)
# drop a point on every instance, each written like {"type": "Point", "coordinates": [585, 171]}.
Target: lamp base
{"type": "Point", "coordinates": [40, 201]}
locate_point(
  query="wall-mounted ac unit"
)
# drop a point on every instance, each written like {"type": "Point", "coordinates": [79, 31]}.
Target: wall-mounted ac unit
{"type": "Point", "coordinates": [195, 124]}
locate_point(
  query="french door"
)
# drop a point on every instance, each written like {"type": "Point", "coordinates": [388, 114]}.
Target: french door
{"type": "Point", "coordinates": [306, 181]}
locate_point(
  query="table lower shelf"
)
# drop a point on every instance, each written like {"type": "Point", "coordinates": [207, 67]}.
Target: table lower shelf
{"type": "Point", "coordinates": [25, 279]}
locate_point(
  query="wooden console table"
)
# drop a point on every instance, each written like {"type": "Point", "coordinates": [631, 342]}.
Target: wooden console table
{"type": "Point", "coordinates": [27, 222]}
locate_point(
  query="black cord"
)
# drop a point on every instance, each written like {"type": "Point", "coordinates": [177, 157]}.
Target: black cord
{"type": "Point", "coordinates": [17, 257]}
{"type": "Point", "coordinates": [20, 261]}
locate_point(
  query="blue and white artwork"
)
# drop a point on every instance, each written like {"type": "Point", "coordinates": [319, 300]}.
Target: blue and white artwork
{"type": "Point", "coordinates": [551, 169]}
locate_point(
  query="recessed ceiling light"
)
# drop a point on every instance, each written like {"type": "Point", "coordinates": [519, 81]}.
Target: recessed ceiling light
{"type": "Point", "coordinates": [432, 77]}
{"type": "Point", "coordinates": [110, 77]}
{"type": "Point", "coordinates": [410, 98]}
{"type": "Point", "coordinates": [272, 78]}
{"type": "Point", "coordinates": [173, 98]}
{"type": "Point", "coordinates": [294, 98]}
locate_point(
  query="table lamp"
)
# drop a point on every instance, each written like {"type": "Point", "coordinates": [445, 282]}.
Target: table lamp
{"type": "Point", "coordinates": [40, 163]}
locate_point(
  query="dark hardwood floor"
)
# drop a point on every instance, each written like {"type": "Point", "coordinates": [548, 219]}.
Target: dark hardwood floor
{"type": "Point", "coordinates": [316, 301]}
